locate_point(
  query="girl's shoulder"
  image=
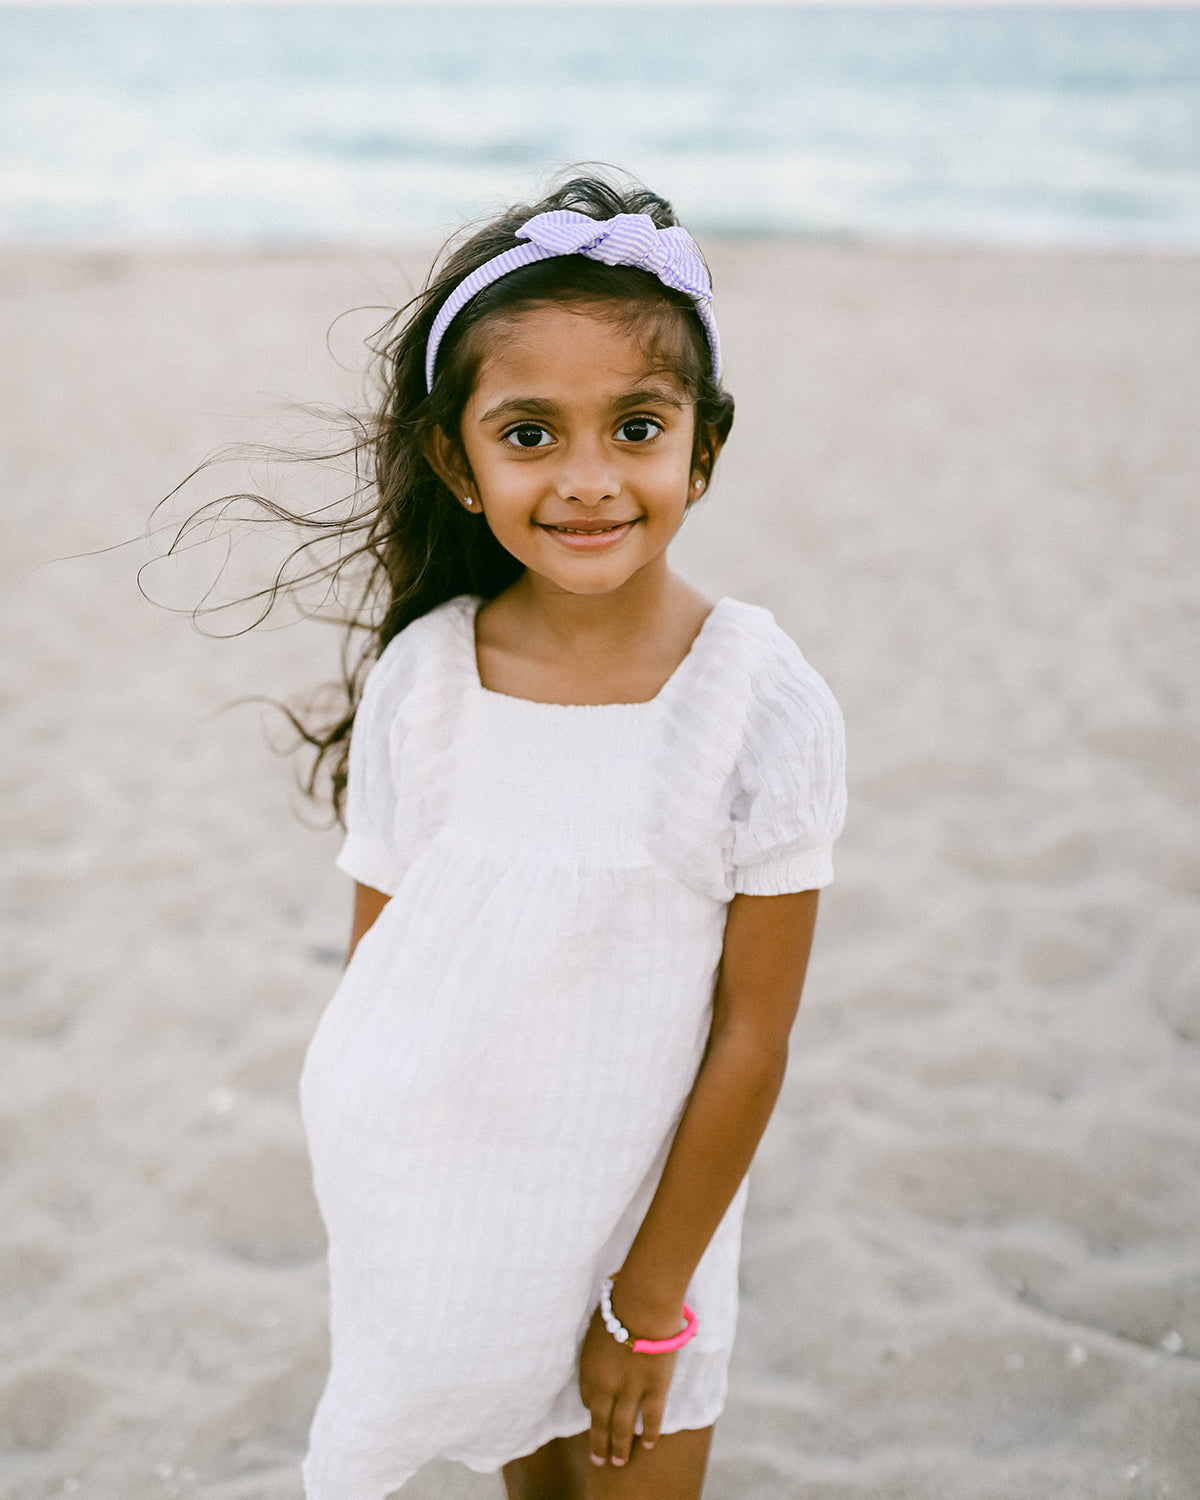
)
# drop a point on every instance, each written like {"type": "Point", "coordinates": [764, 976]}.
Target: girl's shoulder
{"type": "Point", "coordinates": [428, 631]}
{"type": "Point", "coordinates": [763, 634]}
{"type": "Point", "coordinates": [754, 662]}
{"type": "Point", "coordinates": [750, 789]}
{"type": "Point", "coordinates": [432, 643]}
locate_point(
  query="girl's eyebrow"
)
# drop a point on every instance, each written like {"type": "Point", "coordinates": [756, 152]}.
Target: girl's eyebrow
{"type": "Point", "coordinates": [651, 395]}
{"type": "Point", "coordinates": [523, 406]}
{"type": "Point", "coordinates": [539, 406]}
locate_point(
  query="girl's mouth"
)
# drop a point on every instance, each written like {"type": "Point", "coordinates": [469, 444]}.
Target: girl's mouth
{"type": "Point", "coordinates": [590, 538]}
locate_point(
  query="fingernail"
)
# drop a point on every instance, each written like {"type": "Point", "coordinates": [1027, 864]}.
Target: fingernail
{"type": "Point", "coordinates": [597, 1460]}
{"type": "Point", "coordinates": [647, 1446]}
{"type": "Point", "coordinates": [618, 1463]}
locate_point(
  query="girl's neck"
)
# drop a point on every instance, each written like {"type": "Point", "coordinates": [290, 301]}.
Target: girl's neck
{"type": "Point", "coordinates": [538, 641]}
{"type": "Point", "coordinates": [639, 607]}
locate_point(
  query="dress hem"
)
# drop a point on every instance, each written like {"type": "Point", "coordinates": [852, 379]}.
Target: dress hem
{"type": "Point", "coordinates": [489, 1465]}
{"type": "Point", "coordinates": [492, 1466]}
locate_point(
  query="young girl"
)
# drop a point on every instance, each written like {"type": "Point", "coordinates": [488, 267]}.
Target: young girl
{"type": "Point", "coordinates": [588, 814]}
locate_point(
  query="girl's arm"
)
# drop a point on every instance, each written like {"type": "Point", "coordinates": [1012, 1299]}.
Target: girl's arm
{"type": "Point", "coordinates": [767, 943]}
{"type": "Point", "coordinates": [368, 903]}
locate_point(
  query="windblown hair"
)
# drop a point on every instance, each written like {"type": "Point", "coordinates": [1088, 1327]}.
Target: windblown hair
{"type": "Point", "coordinates": [414, 546]}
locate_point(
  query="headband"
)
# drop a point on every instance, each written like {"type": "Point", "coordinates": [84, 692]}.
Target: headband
{"type": "Point", "coordinates": [624, 240]}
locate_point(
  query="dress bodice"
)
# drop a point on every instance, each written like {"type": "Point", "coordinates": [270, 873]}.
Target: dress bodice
{"type": "Point", "coordinates": [730, 778]}
{"type": "Point", "coordinates": [565, 784]}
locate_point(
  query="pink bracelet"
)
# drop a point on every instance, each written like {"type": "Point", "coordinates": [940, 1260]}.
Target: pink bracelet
{"type": "Point", "coordinates": [644, 1346]}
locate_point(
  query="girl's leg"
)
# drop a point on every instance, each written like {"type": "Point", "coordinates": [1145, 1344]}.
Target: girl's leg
{"type": "Point", "coordinates": [557, 1471]}
{"type": "Point", "coordinates": [672, 1470]}
{"type": "Point", "coordinates": [562, 1470]}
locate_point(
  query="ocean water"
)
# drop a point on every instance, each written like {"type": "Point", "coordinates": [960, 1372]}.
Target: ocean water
{"type": "Point", "coordinates": [277, 125]}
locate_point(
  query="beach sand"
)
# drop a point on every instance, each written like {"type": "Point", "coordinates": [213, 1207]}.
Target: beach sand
{"type": "Point", "coordinates": [967, 483]}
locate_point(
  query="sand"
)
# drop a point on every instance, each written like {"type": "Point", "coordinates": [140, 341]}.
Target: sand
{"type": "Point", "coordinates": [966, 482]}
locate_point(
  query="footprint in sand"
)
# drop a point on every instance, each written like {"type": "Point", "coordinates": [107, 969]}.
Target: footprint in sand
{"type": "Point", "coordinates": [1156, 1306]}
{"type": "Point", "coordinates": [994, 1183]}
{"type": "Point", "coordinates": [1174, 974]}
{"type": "Point", "coordinates": [256, 1202]}
{"type": "Point", "coordinates": [40, 1406]}
{"type": "Point", "coordinates": [1066, 949]}
{"type": "Point", "coordinates": [26, 1269]}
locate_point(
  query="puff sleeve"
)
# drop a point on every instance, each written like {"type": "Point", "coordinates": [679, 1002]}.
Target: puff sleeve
{"type": "Point", "coordinates": [370, 854]}
{"type": "Point", "coordinates": [790, 802]}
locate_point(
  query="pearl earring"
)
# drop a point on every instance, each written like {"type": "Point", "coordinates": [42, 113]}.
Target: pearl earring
{"type": "Point", "coordinates": [468, 502]}
{"type": "Point", "coordinates": [699, 484]}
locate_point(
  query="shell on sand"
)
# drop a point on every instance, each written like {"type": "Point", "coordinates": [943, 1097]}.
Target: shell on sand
{"type": "Point", "coordinates": [966, 482]}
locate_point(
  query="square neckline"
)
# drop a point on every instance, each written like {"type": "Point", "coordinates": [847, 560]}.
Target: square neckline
{"type": "Point", "coordinates": [472, 605]}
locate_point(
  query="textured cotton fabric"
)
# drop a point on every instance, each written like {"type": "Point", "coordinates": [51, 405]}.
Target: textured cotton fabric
{"type": "Point", "coordinates": [491, 1093]}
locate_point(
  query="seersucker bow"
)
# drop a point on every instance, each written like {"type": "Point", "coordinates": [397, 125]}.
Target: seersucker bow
{"type": "Point", "coordinates": [625, 240]}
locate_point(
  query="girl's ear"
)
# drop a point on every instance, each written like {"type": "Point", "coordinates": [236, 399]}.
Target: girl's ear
{"type": "Point", "coordinates": [707, 450]}
{"type": "Point", "coordinates": [447, 461]}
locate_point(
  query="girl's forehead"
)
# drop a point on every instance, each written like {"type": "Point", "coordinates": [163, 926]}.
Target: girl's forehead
{"type": "Point", "coordinates": [594, 344]}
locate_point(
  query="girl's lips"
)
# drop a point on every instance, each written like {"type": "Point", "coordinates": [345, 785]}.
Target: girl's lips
{"type": "Point", "coordinates": [592, 539]}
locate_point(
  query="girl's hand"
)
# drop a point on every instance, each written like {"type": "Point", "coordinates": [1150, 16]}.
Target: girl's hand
{"type": "Point", "coordinates": [615, 1385]}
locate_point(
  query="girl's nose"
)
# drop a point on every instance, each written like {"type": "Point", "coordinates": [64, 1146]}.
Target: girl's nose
{"type": "Point", "coordinates": [588, 476]}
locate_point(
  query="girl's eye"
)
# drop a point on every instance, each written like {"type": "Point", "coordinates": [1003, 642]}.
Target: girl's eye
{"type": "Point", "coordinates": [638, 429]}
{"type": "Point", "coordinates": [528, 435]}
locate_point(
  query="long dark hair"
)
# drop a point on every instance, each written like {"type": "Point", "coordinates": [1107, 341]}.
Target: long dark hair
{"type": "Point", "coordinates": [411, 546]}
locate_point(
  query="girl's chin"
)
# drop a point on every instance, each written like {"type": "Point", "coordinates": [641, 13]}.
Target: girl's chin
{"type": "Point", "coordinates": [585, 581]}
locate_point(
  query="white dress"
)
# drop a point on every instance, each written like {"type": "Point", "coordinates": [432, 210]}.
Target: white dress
{"type": "Point", "coordinates": [490, 1096]}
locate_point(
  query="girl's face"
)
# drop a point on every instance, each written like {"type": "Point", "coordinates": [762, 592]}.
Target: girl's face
{"type": "Point", "coordinates": [579, 451]}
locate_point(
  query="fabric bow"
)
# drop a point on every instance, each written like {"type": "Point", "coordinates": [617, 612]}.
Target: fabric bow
{"type": "Point", "coordinates": [625, 240]}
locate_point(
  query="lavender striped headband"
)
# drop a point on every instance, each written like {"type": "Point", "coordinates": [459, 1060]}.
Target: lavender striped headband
{"type": "Point", "coordinates": [625, 240]}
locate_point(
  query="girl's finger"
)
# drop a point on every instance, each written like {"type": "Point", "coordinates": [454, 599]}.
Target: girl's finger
{"type": "Point", "coordinates": [652, 1415]}
{"type": "Point", "coordinates": [598, 1438]}
{"type": "Point", "coordinates": [624, 1418]}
